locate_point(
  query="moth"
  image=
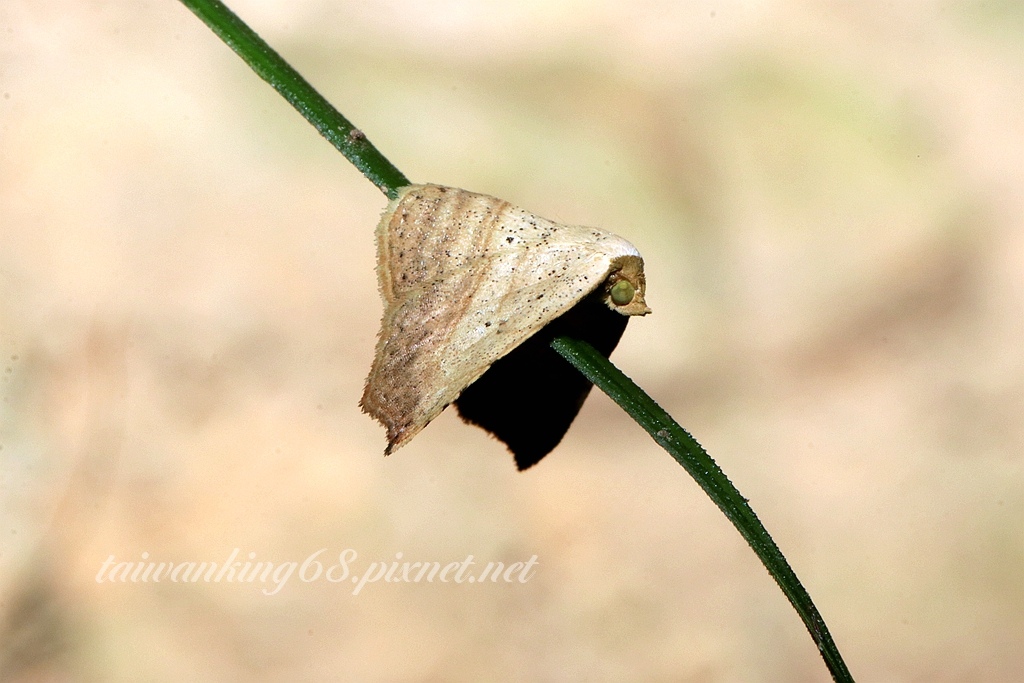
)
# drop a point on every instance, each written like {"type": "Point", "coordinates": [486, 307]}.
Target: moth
{"type": "Point", "coordinates": [474, 290]}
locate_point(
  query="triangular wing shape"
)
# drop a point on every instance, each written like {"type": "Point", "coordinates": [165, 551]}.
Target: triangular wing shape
{"type": "Point", "coordinates": [466, 278]}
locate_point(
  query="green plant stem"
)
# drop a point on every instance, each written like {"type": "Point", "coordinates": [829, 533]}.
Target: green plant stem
{"type": "Point", "coordinates": [338, 130]}
{"type": "Point", "coordinates": [692, 456]}
{"type": "Point", "coordinates": [598, 369]}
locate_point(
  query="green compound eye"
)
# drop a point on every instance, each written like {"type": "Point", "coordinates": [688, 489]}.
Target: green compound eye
{"type": "Point", "coordinates": [622, 292]}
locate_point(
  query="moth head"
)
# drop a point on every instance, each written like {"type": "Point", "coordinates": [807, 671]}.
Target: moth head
{"type": "Point", "coordinates": [623, 289]}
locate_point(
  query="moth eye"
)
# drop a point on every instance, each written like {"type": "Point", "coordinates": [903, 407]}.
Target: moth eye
{"type": "Point", "coordinates": [622, 292]}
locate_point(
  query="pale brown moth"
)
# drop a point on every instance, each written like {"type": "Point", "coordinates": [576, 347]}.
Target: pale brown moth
{"type": "Point", "coordinates": [474, 289]}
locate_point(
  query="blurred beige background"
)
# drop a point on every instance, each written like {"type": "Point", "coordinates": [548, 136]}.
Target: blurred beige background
{"type": "Point", "coordinates": [829, 199]}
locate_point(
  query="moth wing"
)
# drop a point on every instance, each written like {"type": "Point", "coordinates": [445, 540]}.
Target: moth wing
{"type": "Point", "coordinates": [465, 279]}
